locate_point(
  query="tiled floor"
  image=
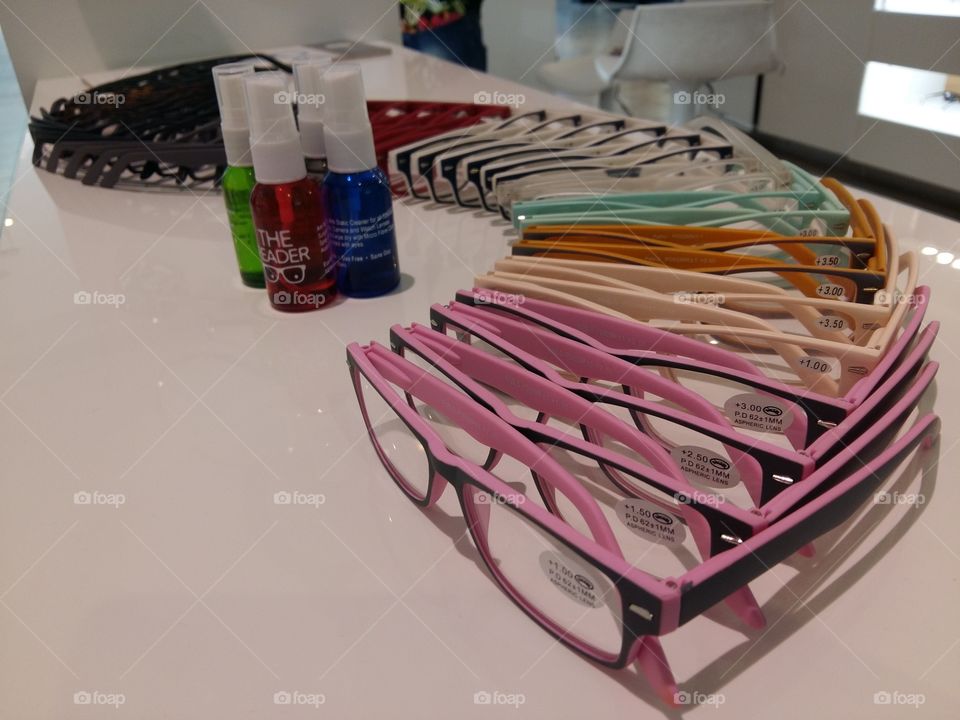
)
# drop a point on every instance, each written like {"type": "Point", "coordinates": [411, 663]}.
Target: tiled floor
{"type": "Point", "coordinates": [13, 123]}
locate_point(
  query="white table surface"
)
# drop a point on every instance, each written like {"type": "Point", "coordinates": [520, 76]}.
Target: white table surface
{"type": "Point", "coordinates": [199, 597]}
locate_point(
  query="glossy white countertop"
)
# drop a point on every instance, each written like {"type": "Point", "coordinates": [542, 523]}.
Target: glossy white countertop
{"type": "Point", "coordinates": [199, 597]}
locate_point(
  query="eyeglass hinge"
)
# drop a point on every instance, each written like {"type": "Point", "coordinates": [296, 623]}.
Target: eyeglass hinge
{"type": "Point", "coordinates": [642, 612]}
{"type": "Point", "coordinates": [784, 479]}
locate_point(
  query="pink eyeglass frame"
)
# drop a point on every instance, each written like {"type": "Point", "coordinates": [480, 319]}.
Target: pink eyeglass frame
{"type": "Point", "coordinates": [813, 413]}
{"type": "Point", "coordinates": [765, 469]}
{"type": "Point", "coordinates": [714, 525]}
{"type": "Point", "coordinates": [470, 368]}
{"type": "Point", "coordinates": [650, 606]}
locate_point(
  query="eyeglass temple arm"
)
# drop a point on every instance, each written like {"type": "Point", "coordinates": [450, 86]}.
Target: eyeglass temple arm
{"type": "Point", "coordinates": [693, 235]}
{"type": "Point", "coordinates": [587, 362]}
{"type": "Point", "coordinates": [547, 179]}
{"type": "Point", "coordinates": [851, 456]}
{"type": "Point", "coordinates": [859, 220]}
{"type": "Point", "coordinates": [741, 451]}
{"type": "Point", "coordinates": [618, 333]}
{"type": "Point", "coordinates": [685, 281]}
{"type": "Point", "coordinates": [865, 387]}
{"type": "Point", "coordinates": [489, 430]}
{"type": "Point", "coordinates": [643, 307]}
{"type": "Point", "coordinates": [632, 347]}
{"type": "Point", "coordinates": [895, 386]}
{"type": "Point", "coordinates": [702, 261]}
{"type": "Point", "coordinates": [880, 258]}
{"type": "Point", "coordinates": [653, 304]}
{"type": "Point", "coordinates": [616, 144]}
{"type": "Point", "coordinates": [710, 582]}
{"type": "Point", "coordinates": [741, 142]}
{"type": "Point", "coordinates": [892, 296]}
{"type": "Point", "coordinates": [543, 396]}
{"type": "Point", "coordinates": [577, 271]}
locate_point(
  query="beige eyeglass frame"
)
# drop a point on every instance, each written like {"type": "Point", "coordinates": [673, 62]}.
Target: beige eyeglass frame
{"type": "Point", "coordinates": [822, 318]}
{"type": "Point", "coordinates": [804, 356]}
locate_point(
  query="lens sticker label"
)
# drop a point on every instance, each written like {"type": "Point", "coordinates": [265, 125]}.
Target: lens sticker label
{"type": "Point", "coordinates": [651, 521]}
{"type": "Point", "coordinates": [816, 364]}
{"type": "Point", "coordinates": [755, 411]}
{"type": "Point", "coordinates": [831, 291]}
{"type": "Point", "coordinates": [833, 322]}
{"type": "Point", "coordinates": [705, 466]}
{"type": "Point", "coordinates": [570, 578]}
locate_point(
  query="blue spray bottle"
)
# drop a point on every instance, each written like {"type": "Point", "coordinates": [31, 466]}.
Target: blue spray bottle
{"type": "Point", "coordinates": [356, 192]}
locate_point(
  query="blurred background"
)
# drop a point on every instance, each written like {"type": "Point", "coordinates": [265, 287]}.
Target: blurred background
{"type": "Point", "coordinates": [868, 88]}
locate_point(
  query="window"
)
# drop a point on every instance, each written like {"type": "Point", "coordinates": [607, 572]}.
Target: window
{"type": "Point", "coordinates": [945, 8]}
{"type": "Point", "coordinates": [910, 96]}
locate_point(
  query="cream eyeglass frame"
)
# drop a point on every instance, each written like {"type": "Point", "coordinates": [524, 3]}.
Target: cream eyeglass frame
{"type": "Point", "coordinates": [803, 355]}
{"type": "Point", "coordinates": [865, 323]}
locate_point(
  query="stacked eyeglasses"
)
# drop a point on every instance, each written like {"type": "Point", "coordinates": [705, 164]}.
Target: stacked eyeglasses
{"type": "Point", "coordinates": [397, 123]}
{"type": "Point", "coordinates": [658, 395]}
{"type": "Point", "coordinates": [547, 154]}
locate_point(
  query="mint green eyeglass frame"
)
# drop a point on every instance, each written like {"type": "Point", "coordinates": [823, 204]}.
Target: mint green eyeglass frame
{"type": "Point", "coordinates": [804, 188]}
{"type": "Point", "coordinates": [814, 203]}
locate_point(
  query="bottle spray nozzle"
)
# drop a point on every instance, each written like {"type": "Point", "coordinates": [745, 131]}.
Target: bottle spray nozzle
{"type": "Point", "coordinates": [349, 136]}
{"type": "Point", "coordinates": [311, 104]}
{"type": "Point", "coordinates": [269, 107]}
{"type": "Point", "coordinates": [228, 80]}
{"type": "Point", "coordinates": [347, 101]}
{"type": "Point", "coordinates": [274, 140]}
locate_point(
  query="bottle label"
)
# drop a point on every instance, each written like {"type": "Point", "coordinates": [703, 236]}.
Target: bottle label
{"type": "Point", "coordinates": [361, 240]}
{"type": "Point", "coordinates": [278, 250]}
{"type": "Point", "coordinates": [297, 263]}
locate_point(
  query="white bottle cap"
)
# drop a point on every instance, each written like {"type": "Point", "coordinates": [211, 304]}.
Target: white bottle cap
{"type": "Point", "coordinates": [311, 100]}
{"type": "Point", "coordinates": [228, 80]}
{"type": "Point", "coordinates": [274, 141]}
{"type": "Point", "coordinates": [349, 136]}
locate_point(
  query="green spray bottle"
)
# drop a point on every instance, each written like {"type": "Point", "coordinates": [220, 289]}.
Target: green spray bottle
{"type": "Point", "coordinates": [238, 180]}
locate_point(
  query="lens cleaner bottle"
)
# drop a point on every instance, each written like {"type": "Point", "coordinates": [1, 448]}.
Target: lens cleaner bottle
{"type": "Point", "coordinates": [356, 192]}
{"type": "Point", "coordinates": [238, 180]}
{"type": "Point", "coordinates": [298, 263]}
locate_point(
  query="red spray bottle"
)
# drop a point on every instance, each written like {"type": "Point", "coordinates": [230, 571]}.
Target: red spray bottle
{"type": "Point", "coordinates": [298, 263]}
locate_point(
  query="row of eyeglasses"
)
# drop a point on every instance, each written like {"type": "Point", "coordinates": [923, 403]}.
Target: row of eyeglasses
{"type": "Point", "coordinates": [687, 369]}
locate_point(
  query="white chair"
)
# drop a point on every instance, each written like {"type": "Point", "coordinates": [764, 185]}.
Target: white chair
{"type": "Point", "coordinates": [688, 45]}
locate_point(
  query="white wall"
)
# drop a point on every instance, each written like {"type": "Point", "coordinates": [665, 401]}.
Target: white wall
{"type": "Point", "coordinates": [520, 36]}
{"type": "Point", "coordinates": [56, 38]}
{"type": "Point", "coordinates": [825, 45]}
